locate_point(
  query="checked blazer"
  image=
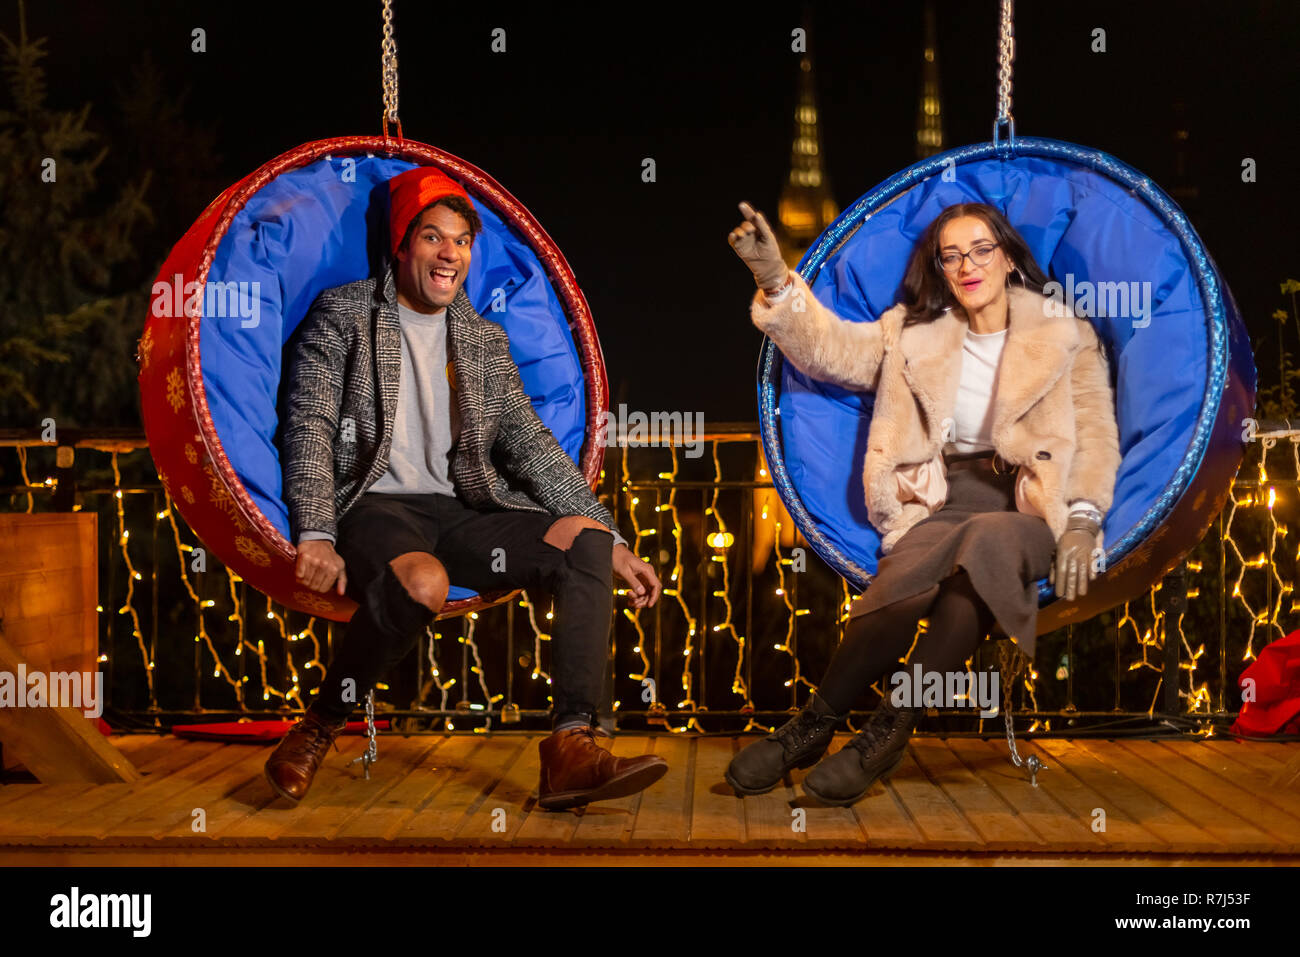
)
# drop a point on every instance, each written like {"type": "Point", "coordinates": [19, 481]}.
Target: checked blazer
{"type": "Point", "coordinates": [343, 385]}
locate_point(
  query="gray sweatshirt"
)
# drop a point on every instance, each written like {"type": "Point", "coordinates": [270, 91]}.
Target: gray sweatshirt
{"type": "Point", "coordinates": [428, 420]}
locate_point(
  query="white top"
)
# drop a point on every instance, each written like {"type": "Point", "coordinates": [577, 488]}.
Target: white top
{"type": "Point", "coordinates": [973, 415]}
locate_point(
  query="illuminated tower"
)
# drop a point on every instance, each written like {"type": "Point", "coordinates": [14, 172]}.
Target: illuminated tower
{"type": "Point", "coordinates": [806, 206]}
{"type": "Point", "coordinates": [929, 115]}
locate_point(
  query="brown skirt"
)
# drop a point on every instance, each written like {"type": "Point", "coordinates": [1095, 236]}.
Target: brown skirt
{"type": "Point", "coordinates": [1004, 551]}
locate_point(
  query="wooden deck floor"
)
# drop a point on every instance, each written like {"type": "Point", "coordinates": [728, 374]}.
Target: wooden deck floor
{"type": "Point", "coordinates": [469, 798]}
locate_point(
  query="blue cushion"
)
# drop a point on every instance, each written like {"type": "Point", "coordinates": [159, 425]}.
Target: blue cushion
{"type": "Point", "coordinates": [307, 231]}
{"type": "Point", "coordinates": [1076, 220]}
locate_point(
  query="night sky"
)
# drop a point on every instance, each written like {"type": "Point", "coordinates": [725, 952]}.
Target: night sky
{"type": "Point", "coordinates": [563, 119]}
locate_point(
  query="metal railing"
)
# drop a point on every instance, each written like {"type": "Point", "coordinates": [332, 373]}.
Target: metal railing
{"type": "Point", "coordinates": [746, 625]}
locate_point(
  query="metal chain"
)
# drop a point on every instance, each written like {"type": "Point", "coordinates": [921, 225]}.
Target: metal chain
{"type": "Point", "coordinates": [388, 68]}
{"type": "Point", "coordinates": [1006, 53]}
{"type": "Point", "coordinates": [371, 754]}
{"type": "Point", "coordinates": [1034, 764]}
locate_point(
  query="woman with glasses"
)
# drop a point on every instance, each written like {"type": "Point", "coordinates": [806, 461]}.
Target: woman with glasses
{"type": "Point", "coordinates": [991, 462]}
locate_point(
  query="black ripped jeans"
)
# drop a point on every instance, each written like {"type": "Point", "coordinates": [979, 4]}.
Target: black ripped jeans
{"type": "Point", "coordinates": [485, 551]}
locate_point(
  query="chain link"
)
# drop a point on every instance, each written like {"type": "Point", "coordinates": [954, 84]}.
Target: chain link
{"type": "Point", "coordinates": [371, 754]}
{"type": "Point", "coordinates": [1006, 53]}
{"type": "Point", "coordinates": [388, 67]}
{"type": "Point", "coordinates": [1033, 763]}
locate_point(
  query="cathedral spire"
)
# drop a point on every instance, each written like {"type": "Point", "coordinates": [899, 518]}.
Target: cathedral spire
{"type": "Point", "coordinates": [806, 206]}
{"type": "Point", "coordinates": [929, 115]}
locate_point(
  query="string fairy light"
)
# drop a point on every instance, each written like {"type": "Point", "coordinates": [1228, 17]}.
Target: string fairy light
{"type": "Point", "coordinates": [435, 677]}
{"type": "Point", "coordinates": [1265, 569]}
{"type": "Point", "coordinates": [634, 614]}
{"type": "Point", "coordinates": [721, 541]}
{"type": "Point", "coordinates": [132, 576]}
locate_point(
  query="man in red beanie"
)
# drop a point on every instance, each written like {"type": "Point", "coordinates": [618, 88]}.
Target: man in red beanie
{"type": "Point", "coordinates": [413, 458]}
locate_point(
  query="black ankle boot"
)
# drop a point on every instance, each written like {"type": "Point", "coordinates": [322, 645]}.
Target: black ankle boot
{"type": "Point", "coordinates": [874, 753]}
{"type": "Point", "coordinates": [798, 743]}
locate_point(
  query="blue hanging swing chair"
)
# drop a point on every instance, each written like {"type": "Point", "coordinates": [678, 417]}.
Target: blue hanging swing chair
{"type": "Point", "coordinates": [1184, 376]}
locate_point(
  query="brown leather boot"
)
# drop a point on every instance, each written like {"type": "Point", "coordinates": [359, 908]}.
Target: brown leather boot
{"type": "Point", "coordinates": [293, 763]}
{"type": "Point", "coordinates": [577, 771]}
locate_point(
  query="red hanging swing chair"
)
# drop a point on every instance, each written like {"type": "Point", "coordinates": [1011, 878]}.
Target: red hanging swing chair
{"type": "Point", "coordinates": [236, 285]}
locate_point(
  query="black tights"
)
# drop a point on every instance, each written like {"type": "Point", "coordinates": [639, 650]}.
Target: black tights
{"type": "Point", "coordinates": [874, 642]}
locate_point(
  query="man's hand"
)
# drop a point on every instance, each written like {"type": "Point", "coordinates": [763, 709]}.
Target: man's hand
{"type": "Point", "coordinates": [319, 566]}
{"type": "Point", "coordinates": [642, 582]}
{"type": "Point", "coordinates": [755, 243]}
{"type": "Point", "coordinates": [1072, 569]}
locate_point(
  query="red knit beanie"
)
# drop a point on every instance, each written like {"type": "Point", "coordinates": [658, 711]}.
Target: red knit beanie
{"type": "Point", "coordinates": [413, 190]}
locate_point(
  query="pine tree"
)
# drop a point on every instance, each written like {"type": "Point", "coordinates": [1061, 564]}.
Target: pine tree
{"type": "Point", "coordinates": [68, 323]}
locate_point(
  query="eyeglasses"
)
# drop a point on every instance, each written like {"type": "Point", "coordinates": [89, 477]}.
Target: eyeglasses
{"type": "Point", "coordinates": [980, 255]}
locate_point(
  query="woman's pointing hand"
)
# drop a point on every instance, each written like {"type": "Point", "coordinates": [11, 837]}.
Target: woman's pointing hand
{"type": "Point", "coordinates": [756, 245]}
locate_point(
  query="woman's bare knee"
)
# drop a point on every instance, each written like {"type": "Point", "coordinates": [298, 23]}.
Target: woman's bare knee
{"type": "Point", "coordinates": [424, 578]}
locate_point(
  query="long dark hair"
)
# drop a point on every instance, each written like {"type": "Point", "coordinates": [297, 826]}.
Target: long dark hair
{"type": "Point", "coordinates": [925, 289]}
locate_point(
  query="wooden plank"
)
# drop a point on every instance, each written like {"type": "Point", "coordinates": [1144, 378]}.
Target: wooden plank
{"type": "Point", "coordinates": [58, 744]}
{"type": "Point", "coordinates": [130, 742]}
{"type": "Point", "coordinates": [186, 791]}
{"type": "Point", "coordinates": [665, 807]}
{"type": "Point", "coordinates": [825, 825]}
{"type": "Point", "coordinates": [266, 824]}
{"type": "Point", "coordinates": [1257, 780]}
{"type": "Point", "coordinates": [508, 804]}
{"type": "Point", "coordinates": [398, 757]}
{"type": "Point", "coordinates": [1171, 758]}
{"type": "Point", "coordinates": [20, 792]}
{"type": "Point", "coordinates": [439, 820]}
{"type": "Point", "coordinates": [993, 819]}
{"type": "Point", "coordinates": [46, 821]}
{"type": "Point", "coordinates": [1240, 768]}
{"type": "Point", "coordinates": [233, 796]}
{"type": "Point", "coordinates": [608, 824]}
{"type": "Point", "coordinates": [1289, 775]}
{"type": "Point", "coordinates": [143, 748]}
{"type": "Point", "coordinates": [941, 823]}
{"type": "Point", "coordinates": [1250, 753]}
{"type": "Point", "coordinates": [1122, 831]}
{"type": "Point", "coordinates": [769, 817]}
{"type": "Point", "coordinates": [885, 822]}
{"type": "Point", "coordinates": [1172, 831]}
{"type": "Point", "coordinates": [1283, 752]}
{"type": "Point", "coordinates": [48, 585]}
{"type": "Point", "coordinates": [1160, 796]}
{"type": "Point", "coordinates": [1062, 827]}
{"type": "Point", "coordinates": [391, 810]}
{"type": "Point", "coordinates": [1233, 832]}
{"type": "Point", "coordinates": [717, 816]}
{"type": "Point", "coordinates": [47, 623]}
{"type": "Point", "coordinates": [173, 773]}
{"type": "Point", "coordinates": [40, 539]}
{"type": "Point", "coordinates": [23, 819]}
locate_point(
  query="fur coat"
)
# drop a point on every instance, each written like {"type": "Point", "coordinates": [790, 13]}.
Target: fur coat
{"type": "Point", "coordinates": [1053, 406]}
